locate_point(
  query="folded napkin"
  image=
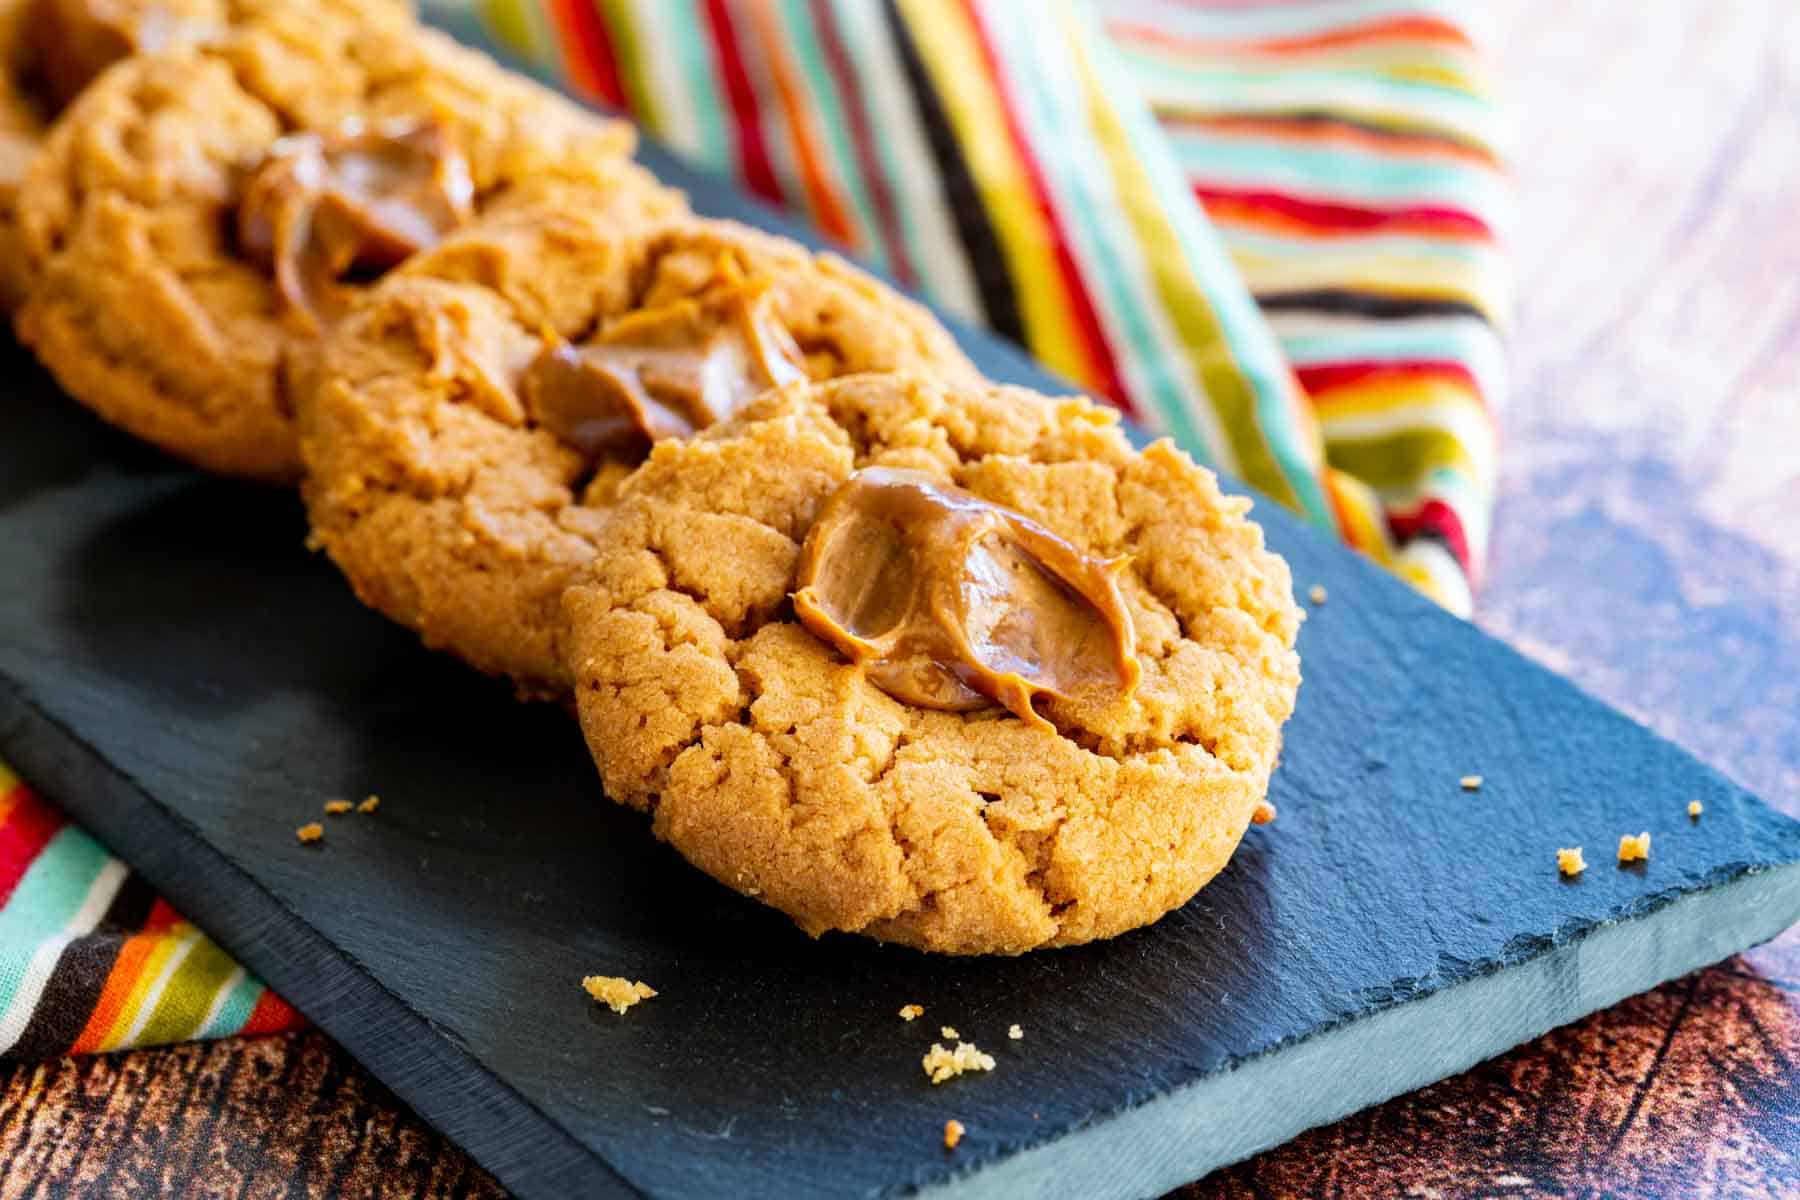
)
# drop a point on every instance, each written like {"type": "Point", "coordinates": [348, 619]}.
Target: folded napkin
{"type": "Point", "coordinates": [1265, 228]}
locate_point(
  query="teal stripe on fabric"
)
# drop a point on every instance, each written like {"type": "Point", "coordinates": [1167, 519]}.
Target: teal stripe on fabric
{"type": "Point", "coordinates": [1353, 174]}
{"type": "Point", "coordinates": [1252, 343]}
{"type": "Point", "coordinates": [689, 39]}
{"type": "Point", "coordinates": [827, 107]}
{"type": "Point", "coordinates": [46, 899]}
{"type": "Point", "coordinates": [1285, 20]}
{"type": "Point", "coordinates": [1222, 88]}
{"type": "Point", "coordinates": [235, 1010]}
{"type": "Point", "coordinates": [1053, 107]}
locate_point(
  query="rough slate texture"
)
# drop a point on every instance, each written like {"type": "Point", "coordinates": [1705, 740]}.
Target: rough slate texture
{"type": "Point", "coordinates": [1689, 1086]}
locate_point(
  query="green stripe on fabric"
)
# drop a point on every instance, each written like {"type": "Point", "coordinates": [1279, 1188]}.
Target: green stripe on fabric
{"type": "Point", "coordinates": [188, 995]}
{"type": "Point", "coordinates": [47, 897]}
{"type": "Point", "coordinates": [687, 36]}
{"type": "Point", "coordinates": [235, 1009]}
{"type": "Point", "coordinates": [1396, 460]}
{"type": "Point", "coordinates": [628, 58]}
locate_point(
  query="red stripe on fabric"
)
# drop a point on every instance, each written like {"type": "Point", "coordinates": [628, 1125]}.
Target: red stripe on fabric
{"type": "Point", "coordinates": [1436, 518]}
{"type": "Point", "coordinates": [588, 51]}
{"type": "Point", "coordinates": [162, 916]}
{"type": "Point", "coordinates": [28, 829]}
{"type": "Point", "coordinates": [1087, 321]}
{"type": "Point", "coordinates": [856, 116]}
{"type": "Point", "coordinates": [1232, 205]}
{"type": "Point", "coordinates": [1326, 376]}
{"type": "Point", "coordinates": [753, 152]}
{"type": "Point", "coordinates": [1411, 29]}
{"type": "Point", "coordinates": [272, 1014]}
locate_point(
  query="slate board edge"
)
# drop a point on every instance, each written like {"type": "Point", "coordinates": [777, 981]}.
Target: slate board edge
{"type": "Point", "coordinates": [1225, 1118]}
{"type": "Point", "coordinates": [506, 1133]}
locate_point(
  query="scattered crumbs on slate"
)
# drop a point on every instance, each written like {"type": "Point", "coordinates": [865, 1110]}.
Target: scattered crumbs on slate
{"type": "Point", "coordinates": [616, 993]}
{"type": "Point", "coordinates": [941, 1064]}
{"type": "Point", "coordinates": [1695, 808]}
{"type": "Point", "coordinates": [1263, 813]}
{"type": "Point", "coordinates": [953, 1133]}
{"type": "Point", "coordinates": [337, 808]}
{"type": "Point", "coordinates": [1317, 595]}
{"type": "Point", "coordinates": [1634, 849]}
{"type": "Point", "coordinates": [911, 1012]}
{"type": "Point", "coordinates": [948, 1033]}
{"type": "Point", "coordinates": [310, 832]}
{"type": "Point", "coordinates": [1471, 783]}
{"type": "Point", "coordinates": [1569, 860]}
{"type": "Point", "coordinates": [370, 803]}
{"type": "Point", "coordinates": [1015, 1033]}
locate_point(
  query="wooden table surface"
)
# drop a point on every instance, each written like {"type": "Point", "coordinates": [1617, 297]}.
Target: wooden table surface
{"type": "Point", "coordinates": [1648, 545]}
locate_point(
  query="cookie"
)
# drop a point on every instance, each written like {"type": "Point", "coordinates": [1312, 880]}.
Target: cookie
{"type": "Point", "coordinates": [198, 218]}
{"type": "Point", "coordinates": [858, 650]}
{"type": "Point", "coordinates": [50, 50]}
{"type": "Point", "coordinates": [474, 415]}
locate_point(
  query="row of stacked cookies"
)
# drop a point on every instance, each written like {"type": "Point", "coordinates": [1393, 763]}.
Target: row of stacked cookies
{"type": "Point", "coordinates": [875, 641]}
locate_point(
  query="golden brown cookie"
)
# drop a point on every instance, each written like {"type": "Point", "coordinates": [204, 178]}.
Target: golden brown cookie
{"type": "Point", "coordinates": [787, 768]}
{"type": "Point", "coordinates": [198, 217]}
{"type": "Point", "coordinates": [476, 412]}
{"type": "Point", "coordinates": [50, 50]}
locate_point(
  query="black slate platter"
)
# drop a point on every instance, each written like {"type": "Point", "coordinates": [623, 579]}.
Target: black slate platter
{"type": "Point", "coordinates": [180, 674]}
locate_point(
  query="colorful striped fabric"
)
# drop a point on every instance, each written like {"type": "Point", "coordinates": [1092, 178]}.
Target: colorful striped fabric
{"type": "Point", "coordinates": [92, 960]}
{"type": "Point", "coordinates": [1348, 153]}
{"type": "Point", "coordinates": [985, 152]}
{"type": "Point", "coordinates": [1267, 227]}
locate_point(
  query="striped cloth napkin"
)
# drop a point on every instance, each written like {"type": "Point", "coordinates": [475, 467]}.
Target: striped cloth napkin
{"type": "Point", "coordinates": [1269, 228]}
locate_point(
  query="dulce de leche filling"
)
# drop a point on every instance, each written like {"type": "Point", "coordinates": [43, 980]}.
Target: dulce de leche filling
{"type": "Point", "coordinates": [951, 602]}
{"type": "Point", "coordinates": [323, 208]}
{"type": "Point", "coordinates": [662, 372]}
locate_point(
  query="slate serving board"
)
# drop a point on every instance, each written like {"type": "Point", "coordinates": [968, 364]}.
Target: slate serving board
{"type": "Point", "coordinates": [178, 672]}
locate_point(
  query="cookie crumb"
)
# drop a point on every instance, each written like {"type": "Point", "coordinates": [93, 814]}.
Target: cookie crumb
{"type": "Point", "coordinates": [948, 1033]}
{"type": "Point", "coordinates": [616, 993]}
{"type": "Point", "coordinates": [1634, 849]}
{"type": "Point", "coordinates": [1569, 860]}
{"type": "Point", "coordinates": [337, 808]}
{"type": "Point", "coordinates": [1015, 1033]}
{"type": "Point", "coordinates": [953, 1131]}
{"type": "Point", "coordinates": [1471, 783]}
{"type": "Point", "coordinates": [1317, 595]}
{"type": "Point", "coordinates": [941, 1064]}
{"type": "Point", "coordinates": [310, 832]}
{"type": "Point", "coordinates": [912, 1012]}
{"type": "Point", "coordinates": [1263, 814]}
{"type": "Point", "coordinates": [1695, 808]}
{"type": "Point", "coordinates": [370, 804]}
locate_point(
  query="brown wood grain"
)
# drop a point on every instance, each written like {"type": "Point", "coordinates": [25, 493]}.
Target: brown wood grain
{"type": "Point", "coordinates": [1647, 545]}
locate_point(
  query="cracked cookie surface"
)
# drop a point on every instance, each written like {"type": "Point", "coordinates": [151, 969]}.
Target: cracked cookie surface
{"type": "Point", "coordinates": [140, 298]}
{"type": "Point", "coordinates": [775, 765]}
{"type": "Point", "coordinates": [431, 484]}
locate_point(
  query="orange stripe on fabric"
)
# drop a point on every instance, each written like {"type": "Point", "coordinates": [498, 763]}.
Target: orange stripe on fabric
{"type": "Point", "coordinates": [1378, 143]}
{"type": "Point", "coordinates": [119, 984]}
{"type": "Point", "coordinates": [587, 60]}
{"type": "Point", "coordinates": [823, 201]}
{"type": "Point", "coordinates": [1395, 29]}
{"type": "Point", "coordinates": [12, 793]}
{"type": "Point", "coordinates": [1284, 214]}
